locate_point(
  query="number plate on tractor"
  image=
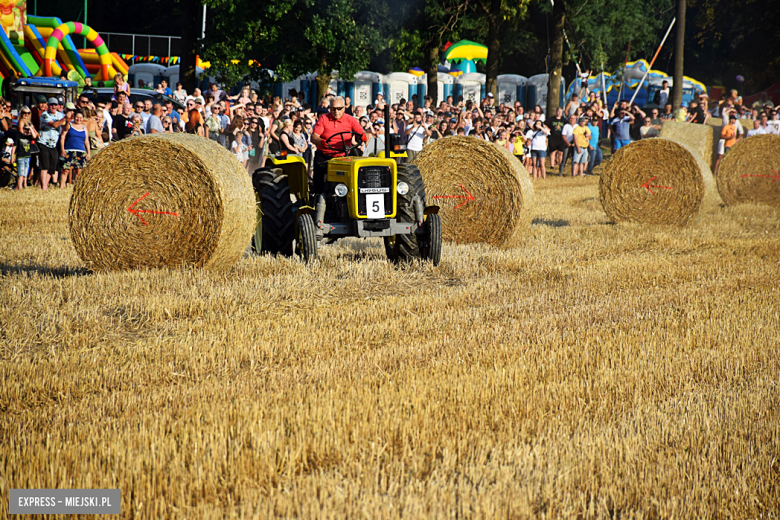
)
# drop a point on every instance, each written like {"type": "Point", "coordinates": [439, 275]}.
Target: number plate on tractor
{"type": "Point", "coordinates": [374, 190]}
{"type": "Point", "coordinates": [375, 206]}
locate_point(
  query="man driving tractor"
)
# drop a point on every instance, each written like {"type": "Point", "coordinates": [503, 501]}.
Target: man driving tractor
{"type": "Point", "coordinates": [328, 141]}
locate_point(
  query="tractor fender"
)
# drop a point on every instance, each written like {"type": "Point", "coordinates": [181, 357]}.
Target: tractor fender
{"type": "Point", "coordinates": [304, 210]}
{"type": "Point", "coordinates": [431, 210]}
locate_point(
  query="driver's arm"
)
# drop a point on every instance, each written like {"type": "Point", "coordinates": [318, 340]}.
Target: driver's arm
{"type": "Point", "coordinates": [316, 140]}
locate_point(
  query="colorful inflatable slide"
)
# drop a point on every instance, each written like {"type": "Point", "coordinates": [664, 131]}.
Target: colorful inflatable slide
{"type": "Point", "coordinates": [23, 52]}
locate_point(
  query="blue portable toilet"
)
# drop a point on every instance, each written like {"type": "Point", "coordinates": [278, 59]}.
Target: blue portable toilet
{"type": "Point", "coordinates": [400, 85]}
{"type": "Point", "coordinates": [509, 88]}
{"type": "Point", "coordinates": [472, 87]}
{"type": "Point", "coordinates": [530, 97]}
{"type": "Point", "coordinates": [365, 88]}
{"type": "Point", "coordinates": [540, 82]}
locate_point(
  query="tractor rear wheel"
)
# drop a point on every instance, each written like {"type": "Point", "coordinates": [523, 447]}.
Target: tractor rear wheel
{"type": "Point", "coordinates": [275, 227]}
{"type": "Point", "coordinates": [432, 249]}
{"type": "Point", "coordinates": [405, 247]}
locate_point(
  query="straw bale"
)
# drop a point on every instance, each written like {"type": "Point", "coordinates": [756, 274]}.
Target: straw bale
{"type": "Point", "coordinates": [205, 191]}
{"type": "Point", "coordinates": [701, 139]}
{"type": "Point", "coordinates": [656, 181]}
{"type": "Point", "coordinates": [454, 168]}
{"type": "Point", "coordinates": [749, 171]}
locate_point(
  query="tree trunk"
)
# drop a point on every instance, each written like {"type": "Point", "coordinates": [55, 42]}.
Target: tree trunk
{"type": "Point", "coordinates": [494, 28]}
{"type": "Point", "coordinates": [679, 49]}
{"type": "Point", "coordinates": [323, 82]}
{"type": "Point", "coordinates": [433, 76]}
{"type": "Point", "coordinates": [556, 59]}
{"type": "Point", "coordinates": [192, 12]}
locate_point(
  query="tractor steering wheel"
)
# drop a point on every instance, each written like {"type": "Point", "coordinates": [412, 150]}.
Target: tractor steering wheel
{"type": "Point", "coordinates": [327, 144]}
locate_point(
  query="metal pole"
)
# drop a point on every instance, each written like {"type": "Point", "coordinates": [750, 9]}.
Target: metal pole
{"type": "Point", "coordinates": [652, 61]}
{"type": "Point", "coordinates": [603, 85]}
{"type": "Point", "coordinates": [85, 21]}
{"type": "Point", "coordinates": [203, 32]}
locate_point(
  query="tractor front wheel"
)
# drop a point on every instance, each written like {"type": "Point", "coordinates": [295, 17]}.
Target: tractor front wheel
{"type": "Point", "coordinates": [306, 238]}
{"type": "Point", "coordinates": [405, 247]}
{"type": "Point", "coordinates": [432, 249]}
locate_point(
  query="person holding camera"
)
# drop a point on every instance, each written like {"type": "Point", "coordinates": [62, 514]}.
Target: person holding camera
{"type": "Point", "coordinates": [621, 127]}
{"type": "Point", "coordinates": [23, 137]}
{"type": "Point", "coordinates": [415, 137]}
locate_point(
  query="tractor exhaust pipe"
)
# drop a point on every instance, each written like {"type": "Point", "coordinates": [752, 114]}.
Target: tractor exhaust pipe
{"type": "Point", "coordinates": [387, 131]}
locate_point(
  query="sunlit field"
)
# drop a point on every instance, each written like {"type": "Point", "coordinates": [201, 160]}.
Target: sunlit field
{"type": "Point", "coordinates": [596, 371]}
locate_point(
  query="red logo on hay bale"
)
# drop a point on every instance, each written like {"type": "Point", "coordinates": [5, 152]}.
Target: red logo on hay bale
{"type": "Point", "coordinates": [647, 186]}
{"type": "Point", "coordinates": [777, 176]}
{"type": "Point", "coordinates": [137, 211]}
{"type": "Point", "coordinates": [468, 196]}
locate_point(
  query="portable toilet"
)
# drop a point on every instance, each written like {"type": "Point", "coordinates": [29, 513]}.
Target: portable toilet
{"type": "Point", "coordinates": [364, 90]}
{"type": "Point", "coordinates": [471, 86]}
{"type": "Point", "coordinates": [400, 85]}
{"type": "Point", "coordinates": [172, 73]}
{"type": "Point", "coordinates": [539, 81]}
{"type": "Point", "coordinates": [509, 88]}
{"type": "Point", "coordinates": [444, 85]}
{"type": "Point", "coordinates": [150, 73]}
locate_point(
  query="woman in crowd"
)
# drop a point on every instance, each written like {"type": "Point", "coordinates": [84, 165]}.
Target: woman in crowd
{"type": "Point", "coordinates": [74, 149]}
{"type": "Point", "coordinates": [120, 85]}
{"type": "Point", "coordinates": [24, 148]}
{"type": "Point", "coordinates": [179, 94]}
{"type": "Point", "coordinates": [299, 139]}
{"type": "Point", "coordinates": [194, 119]}
{"type": "Point", "coordinates": [258, 141]}
{"type": "Point", "coordinates": [286, 139]}
{"type": "Point", "coordinates": [168, 126]}
{"type": "Point", "coordinates": [237, 146]}
{"type": "Point", "coordinates": [138, 125]}
{"type": "Point", "coordinates": [537, 138]}
{"type": "Point", "coordinates": [94, 123]}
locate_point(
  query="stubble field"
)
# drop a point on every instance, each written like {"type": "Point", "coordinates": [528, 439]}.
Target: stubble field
{"type": "Point", "coordinates": [596, 371]}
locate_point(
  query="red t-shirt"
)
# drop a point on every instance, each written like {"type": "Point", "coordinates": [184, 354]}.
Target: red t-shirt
{"type": "Point", "coordinates": [327, 126]}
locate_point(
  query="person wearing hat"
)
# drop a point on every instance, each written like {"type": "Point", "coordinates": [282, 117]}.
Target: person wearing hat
{"type": "Point", "coordinates": [39, 109]}
{"type": "Point", "coordinates": [48, 158]}
{"type": "Point", "coordinates": [581, 136]}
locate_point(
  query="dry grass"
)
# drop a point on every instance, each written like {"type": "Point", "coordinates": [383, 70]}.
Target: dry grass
{"type": "Point", "coordinates": [596, 371]}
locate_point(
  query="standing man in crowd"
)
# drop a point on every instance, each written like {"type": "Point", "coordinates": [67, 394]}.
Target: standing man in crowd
{"type": "Point", "coordinates": [51, 125]}
{"type": "Point", "coordinates": [556, 142]}
{"type": "Point", "coordinates": [568, 137]}
{"type": "Point", "coordinates": [329, 125]}
{"type": "Point", "coordinates": [154, 123]}
{"type": "Point", "coordinates": [581, 137]}
{"type": "Point", "coordinates": [595, 155]}
{"type": "Point", "coordinates": [416, 134]}
{"type": "Point", "coordinates": [621, 127]}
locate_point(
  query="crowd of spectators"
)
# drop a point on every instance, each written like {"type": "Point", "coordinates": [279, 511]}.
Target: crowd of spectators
{"type": "Point", "coordinates": [52, 141]}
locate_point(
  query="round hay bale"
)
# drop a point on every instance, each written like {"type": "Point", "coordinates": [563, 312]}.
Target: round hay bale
{"type": "Point", "coordinates": [701, 139]}
{"type": "Point", "coordinates": [484, 192]}
{"type": "Point", "coordinates": [656, 181]}
{"type": "Point", "coordinates": [749, 171]}
{"type": "Point", "coordinates": [162, 200]}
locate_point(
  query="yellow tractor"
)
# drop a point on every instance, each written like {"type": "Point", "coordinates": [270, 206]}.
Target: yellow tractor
{"type": "Point", "coordinates": [364, 197]}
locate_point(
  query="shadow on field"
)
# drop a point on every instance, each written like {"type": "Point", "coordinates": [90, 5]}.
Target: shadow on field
{"type": "Point", "coordinates": [54, 272]}
{"type": "Point", "coordinates": [551, 223]}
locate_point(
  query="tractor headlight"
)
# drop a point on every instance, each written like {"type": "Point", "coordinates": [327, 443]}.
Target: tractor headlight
{"type": "Point", "coordinates": [402, 188]}
{"type": "Point", "coordinates": [341, 190]}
